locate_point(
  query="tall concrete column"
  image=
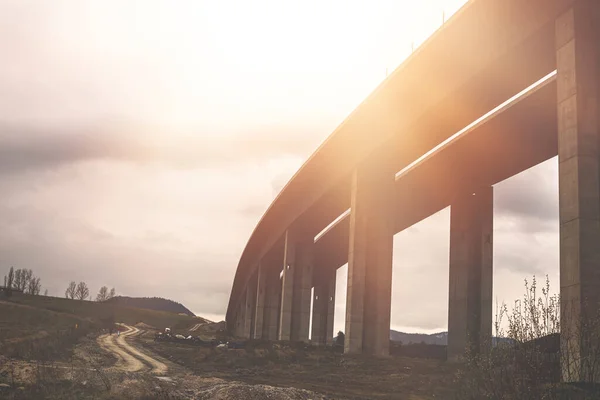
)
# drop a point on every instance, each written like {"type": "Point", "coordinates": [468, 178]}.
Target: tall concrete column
{"type": "Point", "coordinates": [471, 273]}
{"type": "Point", "coordinates": [261, 294]}
{"type": "Point", "coordinates": [272, 302]}
{"type": "Point", "coordinates": [577, 42]}
{"type": "Point", "coordinates": [323, 309]}
{"type": "Point", "coordinates": [239, 320]}
{"type": "Point", "coordinates": [303, 277]}
{"type": "Point", "coordinates": [249, 309]}
{"type": "Point", "coordinates": [368, 303]}
{"type": "Point", "coordinates": [287, 287]}
{"type": "Point", "coordinates": [330, 309]}
{"type": "Point", "coordinates": [233, 327]}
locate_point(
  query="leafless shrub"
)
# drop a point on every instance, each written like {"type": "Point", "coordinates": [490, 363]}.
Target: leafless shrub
{"type": "Point", "coordinates": [525, 357]}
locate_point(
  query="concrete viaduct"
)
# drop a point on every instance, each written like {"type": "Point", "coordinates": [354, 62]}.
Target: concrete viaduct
{"type": "Point", "coordinates": [373, 165]}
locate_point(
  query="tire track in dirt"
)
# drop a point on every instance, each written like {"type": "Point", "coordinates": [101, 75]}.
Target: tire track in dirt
{"type": "Point", "coordinates": [157, 367]}
{"type": "Point", "coordinates": [130, 359]}
{"type": "Point", "coordinates": [125, 361]}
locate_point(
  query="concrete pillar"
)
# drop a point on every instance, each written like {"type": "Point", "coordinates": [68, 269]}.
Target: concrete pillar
{"type": "Point", "coordinates": [233, 328]}
{"type": "Point", "coordinates": [301, 297]}
{"type": "Point", "coordinates": [239, 320]}
{"type": "Point", "coordinates": [471, 273]}
{"type": "Point", "coordinates": [272, 302]}
{"type": "Point", "coordinates": [323, 309]}
{"type": "Point", "coordinates": [330, 310]}
{"type": "Point", "coordinates": [577, 55]}
{"type": "Point", "coordinates": [319, 315]}
{"type": "Point", "coordinates": [287, 287]}
{"type": "Point", "coordinates": [259, 309]}
{"type": "Point", "coordinates": [368, 304]}
{"type": "Point", "coordinates": [249, 308]}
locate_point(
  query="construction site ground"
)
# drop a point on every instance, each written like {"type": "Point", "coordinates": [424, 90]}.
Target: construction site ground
{"type": "Point", "coordinates": [320, 370]}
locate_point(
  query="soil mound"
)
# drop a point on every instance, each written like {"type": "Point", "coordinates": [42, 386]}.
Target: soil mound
{"type": "Point", "coordinates": [231, 391]}
{"type": "Point", "coordinates": [141, 325]}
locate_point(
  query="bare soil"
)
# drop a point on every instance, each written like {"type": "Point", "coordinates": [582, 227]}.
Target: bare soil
{"type": "Point", "coordinates": [318, 370]}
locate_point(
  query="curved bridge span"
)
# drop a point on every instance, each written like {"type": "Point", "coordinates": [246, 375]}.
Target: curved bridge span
{"type": "Point", "coordinates": [419, 144]}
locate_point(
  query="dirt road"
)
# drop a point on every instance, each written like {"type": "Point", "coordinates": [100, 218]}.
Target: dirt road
{"type": "Point", "coordinates": [130, 358]}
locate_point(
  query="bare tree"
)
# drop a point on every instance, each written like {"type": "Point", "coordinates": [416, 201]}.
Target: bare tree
{"type": "Point", "coordinates": [34, 286]}
{"type": "Point", "coordinates": [30, 286]}
{"type": "Point", "coordinates": [71, 290]}
{"type": "Point", "coordinates": [26, 277]}
{"type": "Point", "coordinates": [112, 293]}
{"type": "Point", "coordinates": [82, 291]}
{"type": "Point", "coordinates": [46, 292]}
{"type": "Point", "coordinates": [17, 280]}
{"type": "Point", "coordinates": [9, 281]}
{"type": "Point", "coordinates": [22, 278]}
{"type": "Point", "coordinates": [9, 278]}
{"type": "Point", "coordinates": [102, 294]}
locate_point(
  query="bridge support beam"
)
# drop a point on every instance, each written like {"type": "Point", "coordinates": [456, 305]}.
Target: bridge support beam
{"type": "Point", "coordinates": [323, 309]}
{"type": "Point", "coordinates": [237, 324]}
{"type": "Point", "coordinates": [303, 277]}
{"type": "Point", "coordinates": [294, 317]}
{"type": "Point", "coordinates": [241, 318]}
{"type": "Point", "coordinates": [471, 273]}
{"type": "Point", "coordinates": [577, 52]}
{"type": "Point", "coordinates": [249, 309]}
{"type": "Point", "coordinates": [272, 300]}
{"type": "Point", "coordinates": [259, 309]}
{"type": "Point", "coordinates": [287, 287]}
{"type": "Point", "coordinates": [368, 303]}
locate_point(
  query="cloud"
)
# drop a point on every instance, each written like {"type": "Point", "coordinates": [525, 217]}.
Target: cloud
{"type": "Point", "coordinates": [532, 196]}
{"type": "Point", "coordinates": [24, 149]}
{"type": "Point", "coordinates": [144, 230]}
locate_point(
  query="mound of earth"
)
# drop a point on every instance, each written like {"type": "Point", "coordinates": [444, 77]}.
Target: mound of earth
{"type": "Point", "coordinates": [141, 325]}
{"type": "Point", "coordinates": [231, 391]}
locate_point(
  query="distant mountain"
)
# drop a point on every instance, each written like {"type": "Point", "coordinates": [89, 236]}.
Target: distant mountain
{"type": "Point", "coordinates": [408, 338]}
{"type": "Point", "coordinates": [440, 338]}
{"type": "Point", "coordinates": [151, 303]}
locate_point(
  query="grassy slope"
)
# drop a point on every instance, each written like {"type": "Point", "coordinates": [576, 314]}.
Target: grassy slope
{"type": "Point", "coordinates": [39, 327]}
{"type": "Point", "coordinates": [20, 322]}
{"type": "Point", "coordinates": [97, 311]}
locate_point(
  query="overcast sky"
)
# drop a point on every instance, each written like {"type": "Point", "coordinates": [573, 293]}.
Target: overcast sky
{"type": "Point", "coordinates": [141, 141]}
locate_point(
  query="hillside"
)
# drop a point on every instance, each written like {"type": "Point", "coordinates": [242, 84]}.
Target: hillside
{"type": "Point", "coordinates": [20, 321]}
{"type": "Point", "coordinates": [102, 311]}
{"type": "Point", "coordinates": [151, 303]}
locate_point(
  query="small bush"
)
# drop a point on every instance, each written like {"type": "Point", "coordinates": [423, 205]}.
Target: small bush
{"type": "Point", "coordinates": [527, 364]}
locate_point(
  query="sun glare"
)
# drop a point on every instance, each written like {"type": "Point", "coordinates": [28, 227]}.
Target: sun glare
{"type": "Point", "coordinates": [230, 64]}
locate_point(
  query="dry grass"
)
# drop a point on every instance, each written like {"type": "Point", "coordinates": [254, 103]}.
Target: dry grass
{"type": "Point", "coordinates": [99, 311]}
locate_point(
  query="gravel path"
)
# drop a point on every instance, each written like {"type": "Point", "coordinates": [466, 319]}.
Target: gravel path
{"type": "Point", "coordinates": [130, 358]}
